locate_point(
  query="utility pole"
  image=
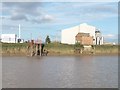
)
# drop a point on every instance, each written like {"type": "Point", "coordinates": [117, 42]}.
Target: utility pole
{"type": "Point", "coordinates": [57, 35]}
{"type": "Point", "coordinates": [31, 36]}
{"type": "Point", "coordinates": [19, 31]}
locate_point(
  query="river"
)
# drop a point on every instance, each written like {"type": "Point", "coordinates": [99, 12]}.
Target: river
{"type": "Point", "coordinates": [60, 72]}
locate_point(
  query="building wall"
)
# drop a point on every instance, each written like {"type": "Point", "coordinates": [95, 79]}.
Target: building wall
{"type": "Point", "coordinates": [84, 40]}
{"type": "Point", "coordinates": [85, 28]}
{"type": "Point", "coordinates": [68, 35]}
{"type": "Point", "coordinates": [9, 38]}
{"type": "Point", "coordinates": [87, 40]}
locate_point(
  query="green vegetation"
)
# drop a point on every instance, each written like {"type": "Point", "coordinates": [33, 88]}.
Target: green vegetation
{"type": "Point", "coordinates": [14, 45]}
{"type": "Point", "coordinates": [47, 40]}
{"type": "Point", "coordinates": [56, 48]}
{"type": "Point", "coordinates": [106, 49]}
{"type": "Point", "coordinates": [14, 48]}
{"type": "Point", "coordinates": [78, 46]}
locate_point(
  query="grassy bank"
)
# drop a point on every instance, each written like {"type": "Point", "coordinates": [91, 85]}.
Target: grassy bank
{"type": "Point", "coordinates": [62, 49]}
{"type": "Point", "coordinates": [14, 49]}
{"type": "Point", "coordinates": [106, 49]}
{"type": "Point", "coordinates": [57, 49]}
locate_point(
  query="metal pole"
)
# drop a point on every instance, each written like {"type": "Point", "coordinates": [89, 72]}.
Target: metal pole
{"type": "Point", "coordinates": [19, 31]}
{"type": "Point", "coordinates": [31, 35]}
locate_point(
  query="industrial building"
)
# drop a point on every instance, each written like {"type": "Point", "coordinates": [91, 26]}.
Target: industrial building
{"type": "Point", "coordinates": [11, 38]}
{"type": "Point", "coordinates": [8, 38]}
{"type": "Point", "coordinates": [68, 36]}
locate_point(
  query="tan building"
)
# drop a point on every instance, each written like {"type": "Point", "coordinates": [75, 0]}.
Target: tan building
{"type": "Point", "coordinates": [84, 39]}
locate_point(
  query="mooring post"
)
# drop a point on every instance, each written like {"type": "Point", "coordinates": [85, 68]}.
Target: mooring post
{"type": "Point", "coordinates": [32, 47]}
{"type": "Point", "coordinates": [36, 49]}
{"type": "Point", "coordinates": [40, 50]}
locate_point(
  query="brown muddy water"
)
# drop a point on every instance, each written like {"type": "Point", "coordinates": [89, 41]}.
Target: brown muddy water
{"type": "Point", "coordinates": [60, 72]}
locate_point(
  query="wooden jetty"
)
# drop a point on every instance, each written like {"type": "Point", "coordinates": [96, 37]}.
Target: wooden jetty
{"type": "Point", "coordinates": [36, 48]}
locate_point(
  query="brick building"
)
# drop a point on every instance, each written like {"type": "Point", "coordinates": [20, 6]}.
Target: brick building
{"type": "Point", "coordinates": [84, 39]}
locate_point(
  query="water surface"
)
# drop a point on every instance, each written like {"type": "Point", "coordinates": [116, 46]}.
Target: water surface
{"type": "Point", "coordinates": [60, 72]}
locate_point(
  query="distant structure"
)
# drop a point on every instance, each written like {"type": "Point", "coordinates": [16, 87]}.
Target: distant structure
{"type": "Point", "coordinates": [9, 38]}
{"type": "Point", "coordinates": [19, 40]}
{"type": "Point", "coordinates": [83, 33]}
{"type": "Point", "coordinates": [19, 31]}
{"type": "Point", "coordinates": [99, 38]}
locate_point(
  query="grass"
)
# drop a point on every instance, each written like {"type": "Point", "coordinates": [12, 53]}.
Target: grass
{"type": "Point", "coordinates": [56, 48]}
{"type": "Point", "coordinates": [106, 49]}
{"type": "Point", "coordinates": [14, 48]}
{"type": "Point", "coordinates": [59, 48]}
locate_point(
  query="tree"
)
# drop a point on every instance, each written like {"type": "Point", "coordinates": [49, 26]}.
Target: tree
{"type": "Point", "coordinates": [47, 40]}
{"type": "Point", "coordinates": [78, 45]}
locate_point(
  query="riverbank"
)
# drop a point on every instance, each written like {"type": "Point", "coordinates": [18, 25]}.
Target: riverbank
{"type": "Point", "coordinates": [21, 49]}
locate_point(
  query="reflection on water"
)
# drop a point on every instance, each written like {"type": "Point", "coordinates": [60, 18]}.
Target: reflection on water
{"type": "Point", "coordinates": [60, 72]}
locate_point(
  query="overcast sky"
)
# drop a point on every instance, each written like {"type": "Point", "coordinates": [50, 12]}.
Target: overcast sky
{"type": "Point", "coordinates": [49, 18]}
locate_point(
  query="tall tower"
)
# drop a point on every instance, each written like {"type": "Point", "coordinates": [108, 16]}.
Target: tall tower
{"type": "Point", "coordinates": [19, 31]}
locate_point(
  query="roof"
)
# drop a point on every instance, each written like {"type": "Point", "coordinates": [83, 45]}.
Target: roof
{"type": "Point", "coordinates": [83, 34]}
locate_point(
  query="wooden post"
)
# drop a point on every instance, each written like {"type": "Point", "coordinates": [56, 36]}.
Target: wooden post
{"type": "Point", "coordinates": [31, 51]}
{"type": "Point", "coordinates": [32, 47]}
{"type": "Point", "coordinates": [40, 47]}
{"type": "Point", "coordinates": [40, 50]}
{"type": "Point", "coordinates": [36, 49]}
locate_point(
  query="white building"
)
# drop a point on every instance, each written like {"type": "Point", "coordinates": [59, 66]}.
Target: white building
{"type": "Point", "coordinates": [99, 39]}
{"type": "Point", "coordinates": [8, 38]}
{"type": "Point", "coordinates": [68, 35]}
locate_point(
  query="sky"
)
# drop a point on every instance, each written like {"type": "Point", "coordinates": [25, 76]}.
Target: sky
{"type": "Point", "coordinates": [39, 19]}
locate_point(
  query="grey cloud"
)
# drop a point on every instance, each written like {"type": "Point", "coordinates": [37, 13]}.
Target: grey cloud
{"type": "Point", "coordinates": [31, 8]}
{"type": "Point", "coordinates": [23, 10]}
{"type": "Point", "coordinates": [61, 0]}
{"type": "Point", "coordinates": [28, 5]}
{"type": "Point", "coordinates": [28, 11]}
{"type": "Point", "coordinates": [43, 19]}
{"type": "Point", "coordinates": [5, 17]}
{"type": "Point", "coordinates": [106, 8]}
{"type": "Point", "coordinates": [93, 8]}
{"type": "Point", "coordinates": [2, 17]}
{"type": "Point", "coordinates": [47, 18]}
{"type": "Point", "coordinates": [100, 9]}
{"type": "Point", "coordinates": [19, 17]}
